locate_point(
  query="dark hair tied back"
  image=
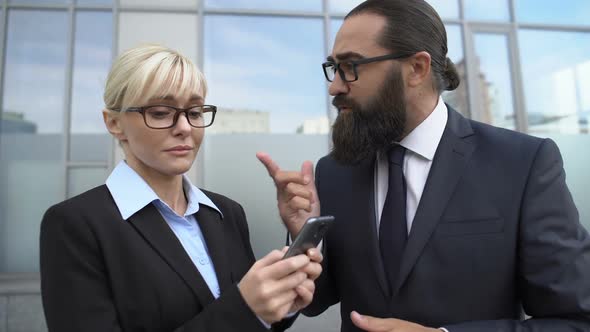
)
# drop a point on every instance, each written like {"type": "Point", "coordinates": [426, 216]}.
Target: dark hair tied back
{"type": "Point", "coordinates": [451, 76]}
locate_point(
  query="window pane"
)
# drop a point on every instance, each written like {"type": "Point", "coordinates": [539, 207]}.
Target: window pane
{"type": "Point", "coordinates": [302, 5]}
{"type": "Point", "coordinates": [178, 31]}
{"type": "Point", "coordinates": [265, 76]}
{"type": "Point", "coordinates": [444, 8]}
{"type": "Point", "coordinates": [486, 10]}
{"type": "Point", "coordinates": [557, 76]}
{"type": "Point", "coordinates": [343, 6]}
{"type": "Point", "coordinates": [494, 81]}
{"type": "Point", "coordinates": [553, 12]}
{"type": "Point", "coordinates": [31, 166]}
{"type": "Point", "coordinates": [159, 3]}
{"type": "Point", "coordinates": [92, 57]}
{"type": "Point", "coordinates": [458, 97]}
{"type": "Point", "coordinates": [83, 179]}
{"type": "Point", "coordinates": [270, 65]}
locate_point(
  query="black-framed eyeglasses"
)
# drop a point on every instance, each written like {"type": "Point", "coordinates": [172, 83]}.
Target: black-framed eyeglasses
{"type": "Point", "coordinates": [165, 116]}
{"type": "Point", "coordinates": [347, 69]}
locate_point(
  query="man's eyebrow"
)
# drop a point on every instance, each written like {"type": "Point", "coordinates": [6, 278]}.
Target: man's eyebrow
{"type": "Point", "coordinates": [349, 55]}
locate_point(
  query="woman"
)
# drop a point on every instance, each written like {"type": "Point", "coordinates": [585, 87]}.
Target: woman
{"type": "Point", "coordinates": [148, 251]}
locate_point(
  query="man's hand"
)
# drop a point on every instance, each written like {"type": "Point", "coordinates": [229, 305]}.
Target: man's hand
{"type": "Point", "coordinates": [373, 324]}
{"type": "Point", "coordinates": [296, 193]}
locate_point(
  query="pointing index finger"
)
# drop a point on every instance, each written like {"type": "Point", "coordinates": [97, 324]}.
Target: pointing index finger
{"type": "Point", "coordinates": [267, 161]}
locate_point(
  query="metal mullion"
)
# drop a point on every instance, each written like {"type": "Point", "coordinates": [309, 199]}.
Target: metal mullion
{"type": "Point", "coordinates": [337, 15]}
{"type": "Point", "coordinates": [94, 7]}
{"type": "Point", "coordinates": [518, 100]}
{"type": "Point", "coordinates": [39, 6]}
{"type": "Point", "coordinates": [327, 22]}
{"type": "Point", "coordinates": [452, 21]}
{"type": "Point", "coordinates": [472, 70]}
{"type": "Point", "coordinates": [201, 34]}
{"type": "Point", "coordinates": [266, 13]}
{"type": "Point", "coordinates": [490, 27]}
{"type": "Point", "coordinates": [114, 51]}
{"type": "Point", "coordinates": [468, 57]}
{"type": "Point", "coordinates": [512, 11]}
{"type": "Point", "coordinates": [68, 99]}
{"type": "Point", "coordinates": [155, 10]}
{"type": "Point", "coordinates": [3, 40]}
{"type": "Point", "coordinates": [199, 164]}
{"type": "Point", "coordinates": [554, 27]}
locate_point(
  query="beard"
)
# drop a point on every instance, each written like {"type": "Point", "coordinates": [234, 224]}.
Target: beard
{"type": "Point", "coordinates": [364, 130]}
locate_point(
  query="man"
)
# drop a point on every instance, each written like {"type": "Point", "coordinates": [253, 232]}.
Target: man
{"type": "Point", "coordinates": [441, 222]}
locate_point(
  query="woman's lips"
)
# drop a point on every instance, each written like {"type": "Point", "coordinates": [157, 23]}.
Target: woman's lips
{"type": "Point", "coordinates": [180, 150]}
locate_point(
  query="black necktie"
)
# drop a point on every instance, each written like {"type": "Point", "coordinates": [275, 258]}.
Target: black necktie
{"type": "Point", "coordinates": [393, 231]}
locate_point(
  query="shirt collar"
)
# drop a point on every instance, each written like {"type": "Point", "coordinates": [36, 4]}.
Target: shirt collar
{"type": "Point", "coordinates": [131, 193]}
{"type": "Point", "coordinates": [424, 139]}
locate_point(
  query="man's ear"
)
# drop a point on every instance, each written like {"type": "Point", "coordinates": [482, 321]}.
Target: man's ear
{"type": "Point", "coordinates": [112, 121]}
{"type": "Point", "coordinates": [418, 71]}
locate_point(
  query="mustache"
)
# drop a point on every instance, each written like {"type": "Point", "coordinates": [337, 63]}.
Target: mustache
{"type": "Point", "coordinates": [342, 100]}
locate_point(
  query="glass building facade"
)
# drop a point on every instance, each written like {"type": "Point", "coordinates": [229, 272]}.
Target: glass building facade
{"type": "Point", "coordinates": [525, 66]}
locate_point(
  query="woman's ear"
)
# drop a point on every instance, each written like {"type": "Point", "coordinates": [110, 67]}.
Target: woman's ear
{"type": "Point", "coordinates": [112, 121]}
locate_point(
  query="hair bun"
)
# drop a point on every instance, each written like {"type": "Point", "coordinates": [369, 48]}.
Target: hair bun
{"type": "Point", "coordinates": [451, 75]}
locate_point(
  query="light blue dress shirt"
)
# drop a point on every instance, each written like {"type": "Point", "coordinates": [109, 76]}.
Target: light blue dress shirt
{"type": "Point", "coordinates": [131, 194]}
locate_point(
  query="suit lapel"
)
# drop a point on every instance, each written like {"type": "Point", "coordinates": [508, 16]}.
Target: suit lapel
{"type": "Point", "coordinates": [152, 226]}
{"type": "Point", "coordinates": [212, 227]}
{"type": "Point", "coordinates": [451, 157]}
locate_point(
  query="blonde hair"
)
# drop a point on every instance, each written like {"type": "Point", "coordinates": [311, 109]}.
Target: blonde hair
{"type": "Point", "coordinates": [150, 72]}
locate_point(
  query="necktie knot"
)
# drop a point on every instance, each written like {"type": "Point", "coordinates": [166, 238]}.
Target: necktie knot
{"type": "Point", "coordinates": [396, 154]}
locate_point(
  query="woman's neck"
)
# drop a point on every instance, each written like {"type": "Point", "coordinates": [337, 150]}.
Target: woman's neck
{"type": "Point", "coordinates": [168, 187]}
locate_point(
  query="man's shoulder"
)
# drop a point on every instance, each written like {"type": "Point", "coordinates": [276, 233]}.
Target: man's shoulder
{"type": "Point", "coordinates": [502, 139]}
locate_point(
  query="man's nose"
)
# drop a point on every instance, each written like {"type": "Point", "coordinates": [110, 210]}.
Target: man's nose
{"type": "Point", "coordinates": [338, 86]}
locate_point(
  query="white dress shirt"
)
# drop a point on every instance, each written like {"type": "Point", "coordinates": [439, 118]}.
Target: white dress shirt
{"type": "Point", "coordinates": [420, 144]}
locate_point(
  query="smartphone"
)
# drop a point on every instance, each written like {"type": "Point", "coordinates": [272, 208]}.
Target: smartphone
{"type": "Point", "coordinates": [310, 235]}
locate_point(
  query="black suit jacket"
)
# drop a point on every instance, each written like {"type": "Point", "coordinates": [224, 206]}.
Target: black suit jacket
{"type": "Point", "coordinates": [496, 231]}
{"type": "Point", "coordinates": [102, 273]}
